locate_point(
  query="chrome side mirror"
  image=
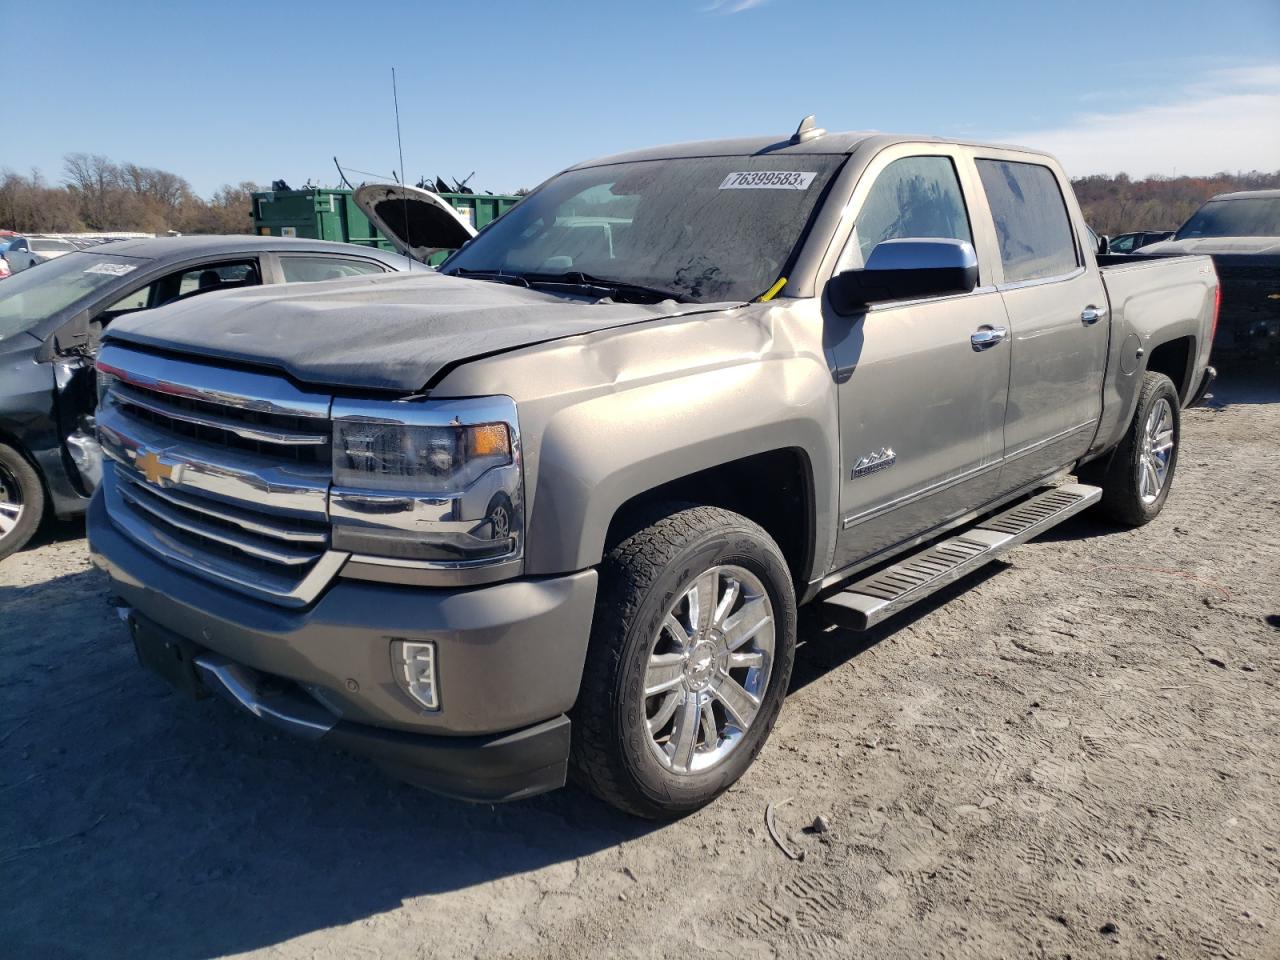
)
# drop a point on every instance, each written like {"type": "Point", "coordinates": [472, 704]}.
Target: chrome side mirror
{"type": "Point", "coordinates": [907, 269]}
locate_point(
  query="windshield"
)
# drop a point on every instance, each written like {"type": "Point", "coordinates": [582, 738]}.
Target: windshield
{"type": "Point", "coordinates": [1241, 217]}
{"type": "Point", "coordinates": [705, 229]}
{"type": "Point", "coordinates": [36, 294]}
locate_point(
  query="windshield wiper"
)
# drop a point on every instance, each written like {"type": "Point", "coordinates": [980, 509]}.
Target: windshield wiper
{"type": "Point", "coordinates": [495, 275]}
{"type": "Point", "coordinates": [613, 288]}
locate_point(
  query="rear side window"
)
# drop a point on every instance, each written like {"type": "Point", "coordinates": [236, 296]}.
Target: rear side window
{"type": "Point", "coordinates": [914, 197]}
{"type": "Point", "coordinates": [1035, 235]}
{"type": "Point", "coordinates": [310, 269]}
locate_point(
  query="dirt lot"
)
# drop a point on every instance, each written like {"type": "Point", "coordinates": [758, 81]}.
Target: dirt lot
{"type": "Point", "coordinates": [1074, 753]}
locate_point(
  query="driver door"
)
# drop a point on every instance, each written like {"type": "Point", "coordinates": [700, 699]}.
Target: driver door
{"type": "Point", "coordinates": [921, 406]}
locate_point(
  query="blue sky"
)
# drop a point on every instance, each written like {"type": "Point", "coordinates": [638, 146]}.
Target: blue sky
{"type": "Point", "coordinates": [515, 91]}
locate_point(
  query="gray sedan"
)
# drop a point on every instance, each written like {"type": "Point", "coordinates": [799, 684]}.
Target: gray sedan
{"type": "Point", "coordinates": [52, 314]}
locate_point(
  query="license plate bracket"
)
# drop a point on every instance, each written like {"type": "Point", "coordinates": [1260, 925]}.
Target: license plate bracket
{"type": "Point", "coordinates": [171, 657]}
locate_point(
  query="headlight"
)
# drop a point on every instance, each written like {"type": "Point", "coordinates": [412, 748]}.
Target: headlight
{"type": "Point", "coordinates": [432, 483]}
{"type": "Point", "coordinates": [421, 459]}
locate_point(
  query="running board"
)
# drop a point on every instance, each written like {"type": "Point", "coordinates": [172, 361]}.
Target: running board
{"type": "Point", "coordinates": [868, 601]}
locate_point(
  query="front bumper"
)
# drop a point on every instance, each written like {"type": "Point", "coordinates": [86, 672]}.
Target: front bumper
{"type": "Point", "coordinates": [510, 661]}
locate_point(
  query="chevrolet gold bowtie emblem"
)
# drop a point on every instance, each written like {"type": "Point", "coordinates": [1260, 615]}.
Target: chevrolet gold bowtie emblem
{"type": "Point", "coordinates": [1273, 296]}
{"type": "Point", "coordinates": [149, 466]}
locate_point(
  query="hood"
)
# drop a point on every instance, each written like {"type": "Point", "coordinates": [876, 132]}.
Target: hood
{"type": "Point", "coordinates": [417, 222]}
{"type": "Point", "coordinates": [1215, 245]}
{"type": "Point", "coordinates": [390, 332]}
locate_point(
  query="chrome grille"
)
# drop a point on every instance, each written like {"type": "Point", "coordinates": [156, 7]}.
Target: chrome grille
{"type": "Point", "coordinates": [223, 472]}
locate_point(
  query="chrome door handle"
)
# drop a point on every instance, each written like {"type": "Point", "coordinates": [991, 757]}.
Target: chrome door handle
{"type": "Point", "coordinates": [1091, 314]}
{"type": "Point", "coordinates": [986, 336]}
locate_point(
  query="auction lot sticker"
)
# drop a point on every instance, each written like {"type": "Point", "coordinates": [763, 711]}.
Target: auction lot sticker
{"type": "Point", "coordinates": [112, 269]}
{"type": "Point", "coordinates": [768, 180]}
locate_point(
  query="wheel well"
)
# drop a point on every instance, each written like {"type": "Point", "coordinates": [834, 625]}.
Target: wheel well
{"type": "Point", "coordinates": [10, 440]}
{"type": "Point", "coordinates": [773, 489]}
{"type": "Point", "coordinates": [1173, 359]}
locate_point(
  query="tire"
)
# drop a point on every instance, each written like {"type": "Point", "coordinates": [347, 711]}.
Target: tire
{"type": "Point", "coordinates": [647, 582]}
{"type": "Point", "coordinates": [21, 501]}
{"type": "Point", "coordinates": [1126, 495]}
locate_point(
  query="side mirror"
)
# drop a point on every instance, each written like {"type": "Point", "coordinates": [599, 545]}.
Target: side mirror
{"type": "Point", "coordinates": [1104, 245]}
{"type": "Point", "coordinates": [907, 269]}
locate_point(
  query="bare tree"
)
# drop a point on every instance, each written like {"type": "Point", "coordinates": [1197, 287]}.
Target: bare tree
{"type": "Point", "coordinates": [96, 182]}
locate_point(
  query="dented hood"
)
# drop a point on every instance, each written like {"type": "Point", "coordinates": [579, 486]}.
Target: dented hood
{"type": "Point", "coordinates": [393, 332]}
{"type": "Point", "coordinates": [418, 222]}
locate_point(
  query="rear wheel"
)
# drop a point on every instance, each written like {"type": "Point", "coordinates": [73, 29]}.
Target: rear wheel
{"type": "Point", "coordinates": [21, 501]}
{"type": "Point", "coordinates": [691, 650]}
{"type": "Point", "coordinates": [1136, 479]}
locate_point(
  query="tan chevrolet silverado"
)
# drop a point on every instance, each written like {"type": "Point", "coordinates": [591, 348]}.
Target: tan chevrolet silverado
{"type": "Point", "coordinates": [549, 511]}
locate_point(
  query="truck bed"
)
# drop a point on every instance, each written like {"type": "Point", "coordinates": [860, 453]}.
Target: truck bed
{"type": "Point", "coordinates": [1172, 297]}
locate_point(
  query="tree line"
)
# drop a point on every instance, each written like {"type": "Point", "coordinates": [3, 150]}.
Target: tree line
{"type": "Point", "coordinates": [1118, 204]}
{"type": "Point", "coordinates": [97, 194]}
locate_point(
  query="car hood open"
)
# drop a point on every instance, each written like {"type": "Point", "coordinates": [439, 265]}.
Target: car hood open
{"type": "Point", "coordinates": [398, 332]}
{"type": "Point", "coordinates": [417, 222]}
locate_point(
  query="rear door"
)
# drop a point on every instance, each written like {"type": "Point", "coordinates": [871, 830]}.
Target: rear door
{"type": "Point", "coordinates": [921, 408]}
{"type": "Point", "coordinates": [1057, 309]}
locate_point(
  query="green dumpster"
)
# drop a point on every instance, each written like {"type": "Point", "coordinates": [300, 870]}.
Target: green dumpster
{"type": "Point", "coordinates": [322, 213]}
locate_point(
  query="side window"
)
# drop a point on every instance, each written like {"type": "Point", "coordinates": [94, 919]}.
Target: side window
{"type": "Point", "coordinates": [309, 269]}
{"type": "Point", "coordinates": [137, 300]}
{"type": "Point", "coordinates": [1036, 239]}
{"type": "Point", "coordinates": [216, 276]}
{"type": "Point", "coordinates": [912, 197]}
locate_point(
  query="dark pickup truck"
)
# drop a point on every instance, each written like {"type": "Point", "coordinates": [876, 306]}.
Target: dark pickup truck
{"type": "Point", "coordinates": [1241, 232]}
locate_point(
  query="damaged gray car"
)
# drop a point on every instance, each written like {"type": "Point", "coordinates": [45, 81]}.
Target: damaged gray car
{"type": "Point", "coordinates": [50, 321]}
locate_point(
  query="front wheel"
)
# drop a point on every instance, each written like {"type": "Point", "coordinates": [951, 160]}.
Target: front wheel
{"type": "Point", "coordinates": [1136, 478]}
{"type": "Point", "coordinates": [690, 657]}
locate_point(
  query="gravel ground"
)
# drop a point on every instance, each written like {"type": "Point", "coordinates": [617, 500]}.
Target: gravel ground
{"type": "Point", "coordinates": [1073, 753]}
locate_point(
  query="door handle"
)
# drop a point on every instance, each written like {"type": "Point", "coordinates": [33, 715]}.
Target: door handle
{"type": "Point", "coordinates": [986, 336]}
{"type": "Point", "coordinates": [1091, 314]}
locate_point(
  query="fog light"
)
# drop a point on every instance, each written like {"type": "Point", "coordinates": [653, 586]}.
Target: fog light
{"type": "Point", "coordinates": [414, 664]}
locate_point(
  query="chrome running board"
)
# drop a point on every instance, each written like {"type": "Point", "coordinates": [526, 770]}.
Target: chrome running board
{"type": "Point", "coordinates": [874, 598]}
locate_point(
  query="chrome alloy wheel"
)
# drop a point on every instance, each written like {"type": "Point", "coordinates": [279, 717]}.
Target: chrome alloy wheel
{"type": "Point", "coordinates": [708, 670]}
{"type": "Point", "coordinates": [10, 502]}
{"type": "Point", "coordinates": [1157, 451]}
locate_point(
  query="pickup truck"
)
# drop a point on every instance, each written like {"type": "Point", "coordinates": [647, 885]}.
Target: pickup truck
{"type": "Point", "coordinates": [550, 511]}
{"type": "Point", "coordinates": [1241, 232]}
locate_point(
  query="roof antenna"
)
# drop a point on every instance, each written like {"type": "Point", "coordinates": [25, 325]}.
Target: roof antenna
{"type": "Point", "coordinates": [404, 197]}
{"type": "Point", "coordinates": [342, 174]}
{"type": "Point", "coordinates": [807, 131]}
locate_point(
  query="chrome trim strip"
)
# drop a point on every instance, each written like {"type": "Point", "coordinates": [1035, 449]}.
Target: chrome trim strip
{"type": "Point", "coordinates": [941, 485]}
{"type": "Point", "coordinates": [286, 709]}
{"type": "Point", "coordinates": [132, 396]}
{"type": "Point", "coordinates": [432, 413]}
{"type": "Point", "coordinates": [855, 519]}
{"type": "Point", "coordinates": [240, 389]}
{"type": "Point", "coordinates": [232, 515]}
{"type": "Point", "coordinates": [425, 573]}
{"type": "Point", "coordinates": [257, 583]}
{"type": "Point", "coordinates": [1040, 281]}
{"type": "Point", "coordinates": [1033, 447]}
{"type": "Point", "coordinates": [282, 555]}
{"type": "Point", "coordinates": [218, 472]}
